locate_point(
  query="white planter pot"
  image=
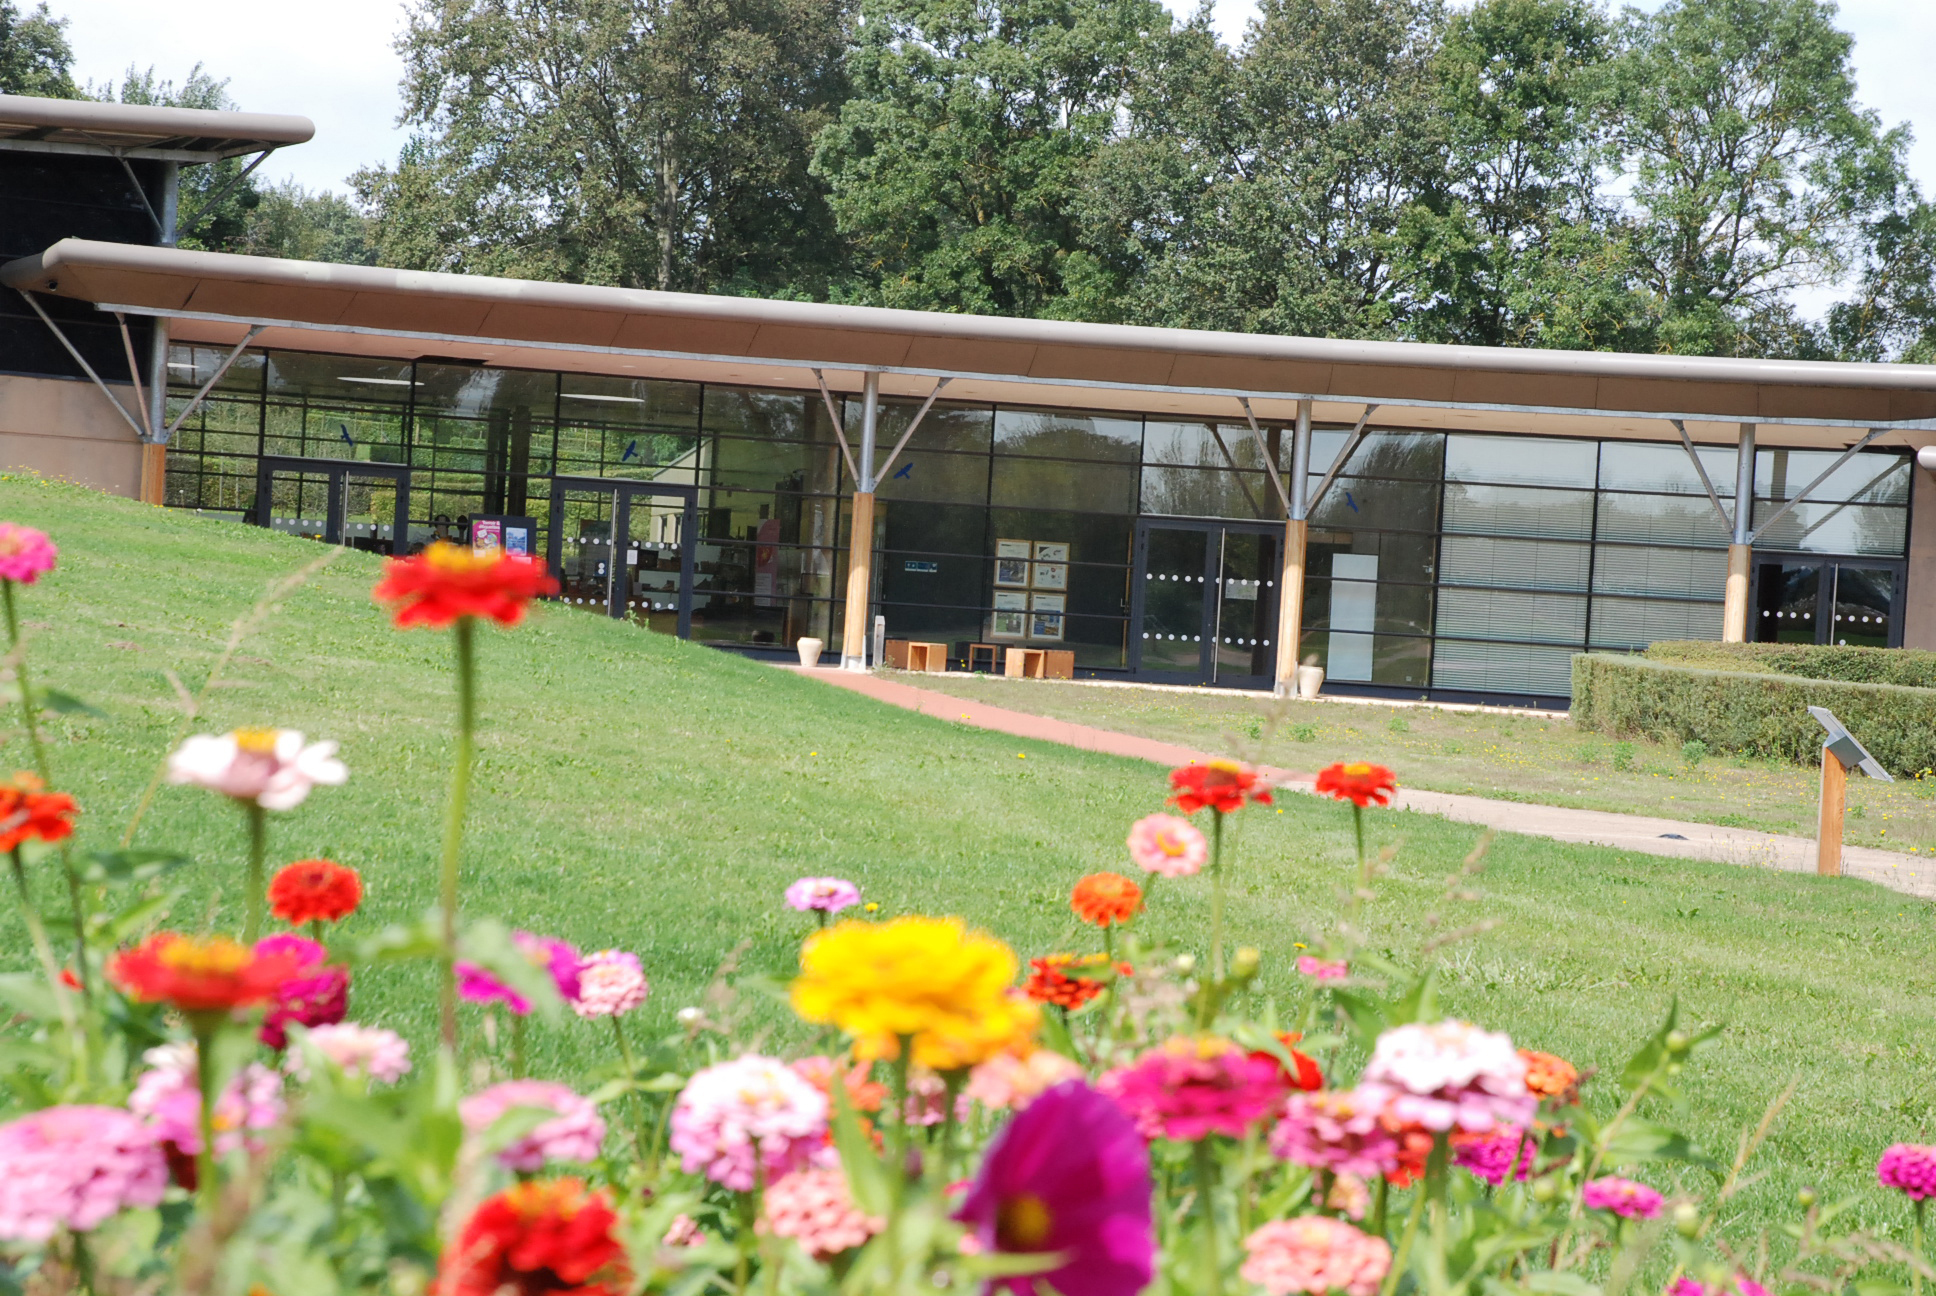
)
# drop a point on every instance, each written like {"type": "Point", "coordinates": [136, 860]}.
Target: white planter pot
{"type": "Point", "coordinates": [810, 649]}
{"type": "Point", "coordinates": [1309, 680]}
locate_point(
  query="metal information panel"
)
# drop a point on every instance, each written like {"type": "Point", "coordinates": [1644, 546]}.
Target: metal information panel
{"type": "Point", "coordinates": [1843, 745]}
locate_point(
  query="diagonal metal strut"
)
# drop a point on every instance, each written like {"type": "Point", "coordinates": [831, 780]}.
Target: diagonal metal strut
{"type": "Point", "coordinates": [209, 386]}
{"type": "Point", "coordinates": [833, 416]}
{"type": "Point", "coordinates": [1713, 497]}
{"type": "Point", "coordinates": [86, 368]}
{"type": "Point", "coordinates": [1823, 476]}
{"type": "Point", "coordinates": [1349, 448]}
{"type": "Point", "coordinates": [919, 414]}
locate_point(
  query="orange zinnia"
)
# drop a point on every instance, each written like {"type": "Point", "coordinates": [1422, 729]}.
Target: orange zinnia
{"type": "Point", "coordinates": [29, 814]}
{"type": "Point", "coordinates": [1104, 898]}
{"type": "Point", "coordinates": [447, 581]}
{"type": "Point", "coordinates": [315, 890]}
{"type": "Point", "coordinates": [1358, 782]}
{"type": "Point", "coordinates": [1057, 979]}
{"type": "Point", "coordinates": [539, 1238]}
{"type": "Point", "coordinates": [1222, 785]}
{"type": "Point", "coordinates": [200, 973]}
{"type": "Point", "coordinates": [1303, 1073]}
{"type": "Point", "coordinates": [1549, 1076]}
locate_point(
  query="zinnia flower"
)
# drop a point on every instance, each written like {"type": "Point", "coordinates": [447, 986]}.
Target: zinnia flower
{"type": "Point", "coordinates": [1167, 846]}
{"type": "Point", "coordinates": [1223, 785]}
{"type": "Point", "coordinates": [1011, 1082]}
{"type": "Point", "coordinates": [822, 894]}
{"type": "Point", "coordinates": [1548, 1076]}
{"type": "Point", "coordinates": [273, 768]}
{"type": "Point", "coordinates": [73, 1168]}
{"type": "Point", "coordinates": [610, 983]}
{"type": "Point", "coordinates": [1190, 1087]}
{"type": "Point", "coordinates": [1315, 1255]}
{"type": "Point", "coordinates": [1742, 1286]}
{"type": "Point", "coordinates": [25, 554]}
{"type": "Point", "coordinates": [814, 1208]}
{"type": "Point", "coordinates": [27, 813]}
{"type": "Point", "coordinates": [930, 978]}
{"type": "Point", "coordinates": [1323, 970]}
{"type": "Point", "coordinates": [1303, 1072]}
{"type": "Point", "coordinates": [573, 1135]}
{"type": "Point", "coordinates": [1104, 898]}
{"type": "Point", "coordinates": [1450, 1073]}
{"type": "Point", "coordinates": [1358, 782]}
{"type": "Point", "coordinates": [359, 1052]}
{"type": "Point", "coordinates": [734, 1118]}
{"type": "Point", "coordinates": [863, 1095]}
{"type": "Point", "coordinates": [1492, 1155]}
{"type": "Point", "coordinates": [168, 1097]}
{"type": "Point", "coordinates": [1057, 979]}
{"type": "Point", "coordinates": [1623, 1197]}
{"type": "Point", "coordinates": [546, 1237]}
{"type": "Point", "coordinates": [1340, 1132]}
{"type": "Point", "coordinates": [1067, 1177]}
{"type": "Point", "coordinates": [317, 994]}
{"type": "Point", "coordinates": [315, 890]}
{"type": "Point", "coordinates": [479, 985]}
{"type": "Point", "coordinates": [200, 973]}
{"type": "Point", "coordinates": [1910, 1168]}
{"type": "Point", "coordinates": [683, 1232]}
{"type": "Point", "coordinates": [448, 581]}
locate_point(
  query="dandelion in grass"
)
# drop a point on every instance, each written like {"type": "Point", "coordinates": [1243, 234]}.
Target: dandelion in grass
{"type": "Point", "coordinates": [814, 1208]}
{"type": "Point", "coordinates": [539, 1238]}
{"type": "Point", "coordinates": [1167, 846]}
{"type": "Point", "coordinates": [748, 1119]}
{"type": "Point", "coordinates": [1623, 1197]}
{"type": "Point", "coordinates": [574, 1134]}
{"type": "Point", "coordinates": [1314, 1255]}
{"type": "Point", "coordinates": [75, 1168]}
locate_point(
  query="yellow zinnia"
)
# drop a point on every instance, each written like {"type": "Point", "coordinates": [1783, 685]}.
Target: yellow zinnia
{"type": "Point", "coordinates": [929, 979]}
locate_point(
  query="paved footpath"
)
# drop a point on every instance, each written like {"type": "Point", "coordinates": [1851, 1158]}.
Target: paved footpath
{"type": "Point", "coordinates": [1911, 874]}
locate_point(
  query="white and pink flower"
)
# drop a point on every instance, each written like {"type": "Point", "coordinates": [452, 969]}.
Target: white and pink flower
{"type": "Point", "coordinates": [274, 768]}
{"type": "Point", "coordinates": [755, 1113]}
{"type": "Point", "coordinates": [1449, 1074]}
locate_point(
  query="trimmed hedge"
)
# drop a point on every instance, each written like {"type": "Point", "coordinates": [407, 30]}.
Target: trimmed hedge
{"type": "Point", "coordinates": [1910, 667]}
{"type": "Point", "coordinates": [1753, 713]}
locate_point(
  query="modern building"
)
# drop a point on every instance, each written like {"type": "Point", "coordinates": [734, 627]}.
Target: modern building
{"type": "Point", "coordinates": [1167, 504]}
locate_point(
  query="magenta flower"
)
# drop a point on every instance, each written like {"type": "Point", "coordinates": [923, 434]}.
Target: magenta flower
{"type": "Point", "coordinates": [1167, 846]}
{"type": "Point", "coordinates": [1323, 970]}
{"type": "Point", "coordinates": [1624, 1197]}
{"type": "Point", "coordinates": [1491, 1156]}
{"type": "Point", "coordinates": [75, 1167]}
{"type": "Point", "coordinates": [25, 554]}
{"type": "Point", "coordinates": [1190, 1087]}
{"type": "Point", "coordinates": [827, 895]}
{"type": "Point", "coordinates": [319, 995]}
{"type": "Point", "coordinates": [1743, 1286]}
{"type": "Point", "coordinates": [574, 1135]}
{"type": "Point", "coordinates": [168, 1097]}
{"type": "Point", "coordinates": [610, 984]}
{"type": "Point", "coordinates": [1339, 1132]}
{"type": "Point", "coordinates": [1909, 1168]}
{"type": "Point", "coordinates": [1314, 1255]}
{"type": "Point", "coordinates": [479, 985]}
{"type": "Point", "coordinates": [1070, 1176]}
{"type": "Point", "coordinates": [750, 1114]}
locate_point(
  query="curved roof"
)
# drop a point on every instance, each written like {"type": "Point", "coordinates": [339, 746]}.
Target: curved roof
{"type": "Point", "coordinates": [143, 130]}
{"type": "Point", "coordinates": [980, 352]}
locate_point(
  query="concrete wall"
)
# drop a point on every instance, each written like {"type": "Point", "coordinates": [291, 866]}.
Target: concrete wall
{"type": "Point", "coordinates": [1919, 605]}
{"type": "Point", "coordinates": [67, 430]}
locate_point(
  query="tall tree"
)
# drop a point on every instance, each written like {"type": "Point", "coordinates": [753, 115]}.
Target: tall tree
{"type": "Point", "coordinates": [1754, 171]}
{"type": "Point", "coordinates": [954, 165]}
{"type": "Point", "coordinates": [35, 58]}
{"type": "Point", "coordinates": [648, 143]}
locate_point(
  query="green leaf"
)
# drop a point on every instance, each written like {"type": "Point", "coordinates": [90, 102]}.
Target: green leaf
{"type": "Point", "coordinates": [401, 943]}
{"type": "Point", "coordinates": [27, 993]}
{"type": "Point", "coordinates": [1420, 1003]}
{"type": "Point", "coordinates": [120, 868]}
{"type": "Point", "coordinates": [1560, 1283]}
{"type": "Point", "coordinates": [487, 943]}
{"type": "Point", "coordinates": [866, 1176]}
{"type": "Point", "coordinates": [1638, 1140]}
{"type": "Point", "coordinates": [67, 704]}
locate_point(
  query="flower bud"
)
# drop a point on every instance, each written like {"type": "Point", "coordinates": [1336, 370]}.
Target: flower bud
{"type": "Point", "coordinates": [1677, 1042]}
{"type": "Point", "coordinates": [1186, 964]}
{"type": "Point", "coordinates": [1687, 1220]}
{"type": "Point", "coordinates": [1545, 1190]}
{"type": "Point", "coordinates": [690, 1016]}
{"type": "Point", "coordinates": [1673, 1068]}
{"type": "Point", "coordinates": [1244, 963]}
{"type": "Point", "coordinates": [1806, 1198]}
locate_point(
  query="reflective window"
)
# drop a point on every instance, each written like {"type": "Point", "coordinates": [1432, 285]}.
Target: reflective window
{"type": "Point", "coordinates": [1869, 478]}
{"type": "Point", "coordinates": [1064, 434]}
{"type": "Point", "coordinates": [1653, 466]}
{"type": "Point", "coordinates": [1520, 460]}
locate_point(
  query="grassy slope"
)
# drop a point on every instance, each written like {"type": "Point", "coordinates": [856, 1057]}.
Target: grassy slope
{"type": "Point", "coordinates": [640, 792]}
{"type": "Point", "coordinates": [1514, 758]}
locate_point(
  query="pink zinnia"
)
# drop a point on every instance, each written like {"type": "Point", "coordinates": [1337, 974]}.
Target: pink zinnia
{"type": "Point", "coordinates": [1167, 846]}
{"type": "Point", "coordinates": [1743, 1286]}
{"type": "Point", "coordinates": [822, 894]}
{"type": "Point", "coordinates": [359, 1052]}
{"type": "Point", "coordinates": [25, 554]}
{"type": "Point", "coordinates": [1009, 1083]}
{"type": "Point", "coordinates": [751, 1114]}
{"type": "Point", "coordinates": [1339, 1132]}
{"type": "Point", "coordinates": [480, 985]}
{"type": "Point", "coordinates": [168, 1097]}
{"type": "Point", "coordinates": [1491, 1156]}
{"type": "Point", "coordinates": [74, 1168]}
{"type": "Point", "coordinates": [1448, 1074]}
{"type": "Point", "coordinates": [610, 984]}
{"type": "Point", "coordinates": [318, 996]}
{"type": "Point", "coordinates": [1910, 1168]}
{"type": "Point", "coordinates": [574, 1135]}
{"type": "Point", "coordinates": [1315, 1255]}
{"type": "Point", "coordinates": [1190, 1087]}
{"type": "Point", "coordinates": [814, 1208]}
{"type": "Point", "coordinates": [1323, 970]}
{"type": "Point", "coordinates": [1623, 1197]}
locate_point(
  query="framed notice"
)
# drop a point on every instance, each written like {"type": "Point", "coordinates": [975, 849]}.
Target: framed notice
{"type": "Point", "coordinates": [1045, 616]}
{"type": "Point", "coordinates": [1049, 576]}
{"type": "Point", "coordinates": [487, 534]}
{"type": "Point", "coordinates": [1010, 620]}
{"type": "Point", "coordinates": [1051, 551]}
{"type": "Point", "coordinates": [1012, 563]}
{"type": "Point", "coordinates": [1011, 601]}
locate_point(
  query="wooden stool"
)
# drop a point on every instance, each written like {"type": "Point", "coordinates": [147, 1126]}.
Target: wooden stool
{"type": "Point", "coordinates": [895, 653]}
{"type": "Point", "coordinates": [984, 657]}
{"type": "Point", "coordinates": [930, 657]}
{"type": "Point", "coordinates": [1026, 663]}
{"type": "Point", "coordinates": [1059, 663]}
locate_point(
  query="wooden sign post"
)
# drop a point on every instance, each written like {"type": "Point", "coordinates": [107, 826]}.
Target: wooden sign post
{"type": "Point", "coordinates": [1840, 754]}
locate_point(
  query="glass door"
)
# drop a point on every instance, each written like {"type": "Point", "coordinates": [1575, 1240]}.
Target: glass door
{"type": "Point", "coordinates": [626, 548]}
{"type": "Point", "coordinates": [1177, 565]}
{"type": "Point", "coordinates": [1862, 606]}
{"type": "Point", "coordinates": [1247, 609]}
{"type": "Point", "coordinates": [1828, 601]}
{"type": "Point", "coordinates": [1205, 609]}
{"type": "Point", "coordinates": [1788, 598]}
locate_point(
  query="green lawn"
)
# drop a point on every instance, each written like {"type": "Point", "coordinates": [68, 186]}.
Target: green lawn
{"type": "Point", "coordinates": [640, 792]}
{"type": "Point", "coordinates": [1511, 757]}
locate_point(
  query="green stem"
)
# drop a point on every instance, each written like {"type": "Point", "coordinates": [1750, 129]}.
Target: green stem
{"type": "Point", "coordinates": [1206, 1176]}
{"type": "Point", "coordinates": [44, 951]}
{"type": "Point", "coordinates": [743, 1239]}
{"type": "Point", "coordinates": [83, 1262]}
{"type": "Point", "coordinates": [1916, 1270]}
{"type": "Point", "coordinates": [1380, 1202]}
{"type": "Point", "coordinates": [460, 792]}
{"type": "Point", "coordinates": [1216, 895]}
{"type": "Point", "coordinates": [1358, 830]}
{"type": "Point", "coordinates": [208, 1194]}
{"type": "Point", "coordinates": [1404, 1255]}
{"type": "Point", "coordinates": [258, 857]}
{"type": "Point", "coordinates": [517, 1046]}
{"type": "Point", "coordinates": [897, 1153]}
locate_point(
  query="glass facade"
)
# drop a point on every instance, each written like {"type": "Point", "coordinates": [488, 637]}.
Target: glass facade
{"type": "Point", "coordinates": [1443, 561]}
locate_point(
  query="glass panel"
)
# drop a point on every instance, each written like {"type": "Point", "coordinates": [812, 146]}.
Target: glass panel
{"type": "Point", "coordinates": [622, 427]}
{"type": "Point", "coordinates": [1413, 456]}
{"type": "Point", "coordinates": [1062, 434]}
{"type": "Point", "coordinates": [1201, 445]}
{"type": "Point", "coordinates": [1523, 669]}
{"type": "Point", "coordinates": [1247, 605]}
{"type": "Point", "coordinates": [1508, 614]}
{"type": "Point", "coordinates": [1518, 460]}
{"type": "Point", "coordinates": [1635, 623]}
{"type": "Point", "coordinates": [1206, 492]}
{"type": "Point", "coordinates": [649, 563]}
{"type": "Point", "coordinates": [1691, 573]}
{"type": "Point", "coordinates": [1786, 599]}
{"type": "Point", "coordinates": [1644, 466]}
{"type": "Point", "coordinates": [1522, 564]}
{"type": "Point", "coordinates": [1862, 601]}
{"type": "Point", "coordinates": [958, 428]}
{"type": "Point", "coordinates": [921, 474]}
{"type": "Point", "coordinates": [1173, 592]}
{"type": "Point", "coordinates": [1354, 502]}
{"type": "Point", "coordinates": [1662, 519]}
{"type": "Point", "coordinates": [1836, 528]}
{"type": "Point", "coordinates": [190, 366]}
{"type": "Point", "coordinates": [1052, 484]}
{"type": "Point", "coordinates": [1517, 510]}
{"type": "Point", "coordinates": [585, 550]}
{"type": "Point", "coordinates": [1870, 477]}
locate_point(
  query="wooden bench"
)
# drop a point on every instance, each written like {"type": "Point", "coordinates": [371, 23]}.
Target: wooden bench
{"type": "Point", "coordinates": [1040, 663]}
{"type": "Point", "coordinates": [930, 657]}
{"type": "Point", "coordinates": [981, 656]}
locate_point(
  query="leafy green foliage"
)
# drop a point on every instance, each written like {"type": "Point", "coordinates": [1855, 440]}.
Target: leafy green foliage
{"type": "Point", "coordinates": [1911, 667]}
{"type": "Point", "coordinates": [35, 58]}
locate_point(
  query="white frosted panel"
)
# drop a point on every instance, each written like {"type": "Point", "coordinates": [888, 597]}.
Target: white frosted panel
{"type": "Point", "coordinates": [1688, 573]}
{"type": "Point", "coordinates": [1532, 461]}
{"type": "Point", "coordinates": [1354, 611]}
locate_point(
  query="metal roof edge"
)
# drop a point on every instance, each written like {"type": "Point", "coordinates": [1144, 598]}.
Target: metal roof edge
{"type": "Point", "coordinates": [154, 120]}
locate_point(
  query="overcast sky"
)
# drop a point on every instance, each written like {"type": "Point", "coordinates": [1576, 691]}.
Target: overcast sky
{"type": "Point", "coordinates": [333, 63]}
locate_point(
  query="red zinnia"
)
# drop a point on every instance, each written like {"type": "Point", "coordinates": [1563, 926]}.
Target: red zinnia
{"type": "Point", "coordinates": [29, 814]}
{"type": "Point", "coordinates": [1104, 898]}
{"type": "Point", "coordinates": [315, 890]}
{"type": "Point", "coordinates": [1223, 785]}
{"type": "Point", "coordinates": [1304, 1073]}
{"type": "Point", "coordinates": [1360, 783]}
{"type": "Point", "coordinates": [448, 581]}
{"type": "Point", "coordinates": [1057, 979]}
{"type": "Point", "coordinates": [544, 1237]}
{"type": "Point", "coordinates": [200, 973]}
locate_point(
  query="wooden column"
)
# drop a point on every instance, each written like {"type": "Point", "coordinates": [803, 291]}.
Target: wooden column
{"type": "Point", "coordinates": [1828, 830]}
{"type": "Point", "coordinates": [1734, 612]}
{"type": "Point", "coordinates": [1290, 604]}
{"type": "Point", "coordinates": [860, 578]}
{"type": "Point", "coordinates": [154, 473]}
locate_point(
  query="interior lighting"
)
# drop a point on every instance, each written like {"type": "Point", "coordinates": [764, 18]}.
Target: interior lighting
{"type": "Point", "coordinates": [611, 400]}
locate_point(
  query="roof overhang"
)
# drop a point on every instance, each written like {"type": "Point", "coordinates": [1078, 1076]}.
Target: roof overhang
{"type": "Point", "coordinates": [520, 323]}
{"type": "Point", "coordinates": [141, 130]}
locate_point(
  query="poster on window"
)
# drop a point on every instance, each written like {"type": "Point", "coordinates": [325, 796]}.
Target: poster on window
{"type": "Point", "coordinates": [1051, 551]}
{"type": "Point", "coordinates": [1045, 616]}
{"type": "Point", "coordinates": [1012, 563]}
{"type": "Point", "coordinates": [487, 535]}
{"type": "Point", "coordinates": [1010, 620]}
{"type": "Point", "coordinates": [1049, 576]}
{"type": "Point", "coordinates": [766, 563]}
